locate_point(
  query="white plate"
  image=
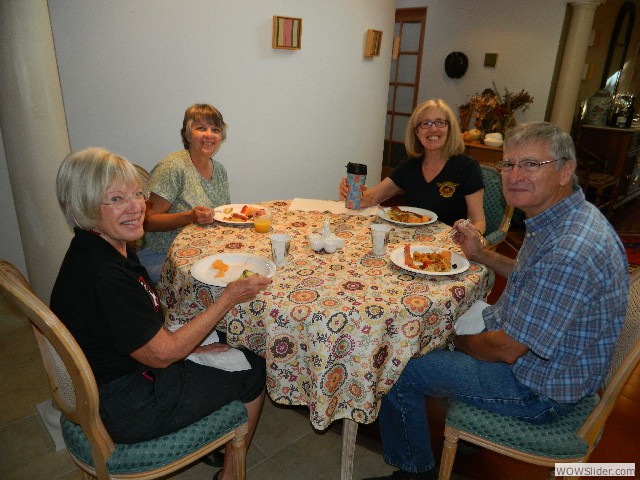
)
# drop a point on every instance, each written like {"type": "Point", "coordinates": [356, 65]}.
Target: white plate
{"type": "Point", "coordinates": [461, 263]}
{"type": "Point", "coordinates": [235, 207]}
{"type": "Point", "coordinates": [238, 263]}
{"type": "Point", "coordinates": [382, 213]}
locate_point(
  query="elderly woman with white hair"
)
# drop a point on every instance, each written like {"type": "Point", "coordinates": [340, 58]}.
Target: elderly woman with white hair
{"type": "Point", "coordinates": [109, 304]}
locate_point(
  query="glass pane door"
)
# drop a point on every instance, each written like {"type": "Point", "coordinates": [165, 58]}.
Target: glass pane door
{"type": "Point", "coordinates": [404, 80]}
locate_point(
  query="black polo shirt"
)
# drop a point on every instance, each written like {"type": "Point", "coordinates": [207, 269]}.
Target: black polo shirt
{"type": "Point", "coordinates": [445, 194]}
{"type": "Point", "coordinates": [108, 304]}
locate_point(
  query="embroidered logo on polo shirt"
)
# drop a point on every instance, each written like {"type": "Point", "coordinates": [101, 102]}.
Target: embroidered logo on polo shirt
{"type": "Point", "coordinates": [447, 189]}
{"type": "Point", "coordinates": [154, 298]}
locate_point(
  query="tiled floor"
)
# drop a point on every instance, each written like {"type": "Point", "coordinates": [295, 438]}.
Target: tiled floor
{"type": "Point", "coordinates": [285, 446]}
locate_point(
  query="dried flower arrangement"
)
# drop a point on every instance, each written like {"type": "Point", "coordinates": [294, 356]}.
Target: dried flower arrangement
{"type": "Point", "coordinates": [492, 112]}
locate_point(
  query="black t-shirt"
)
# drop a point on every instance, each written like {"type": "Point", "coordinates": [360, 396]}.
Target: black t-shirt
{"type": "Point", "coordinates": [444, 195]}
{"type": "Point", "coordinates": [108, 304]}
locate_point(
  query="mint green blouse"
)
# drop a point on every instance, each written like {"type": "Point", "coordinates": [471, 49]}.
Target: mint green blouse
{"type": "Point", "coordinates": [176, 179]}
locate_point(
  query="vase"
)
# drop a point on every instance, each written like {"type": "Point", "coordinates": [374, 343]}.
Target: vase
{"type": "Point", "coordinates": [498, 125]}
{"type": "Point", "coordinates": [598, 108]}
{"type": "Point", "coordinates": [508, 121]}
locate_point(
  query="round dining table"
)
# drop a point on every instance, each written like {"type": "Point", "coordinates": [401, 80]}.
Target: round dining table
{"type": "Point", "coordinates": [336, 329]}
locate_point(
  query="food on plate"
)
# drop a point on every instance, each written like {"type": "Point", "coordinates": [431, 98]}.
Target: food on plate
{"type": "Point", "coordinates": [245, 214]}
{"type": "Point", "coordinates": [250, 210]}
{"type": "Point", "coordinates": [247, 274]}
{"type": "Point", "coordinates": [408, 259]}
{"type": "Point", "coordinates": [404, 216]}
{"type": "Point", "coordinates": [428, 261]}
{"type": "Point", "coordinates": [221, 267]}
{"type": "Point", "coordinates": [227, 210]}
{"type": "Point", "coordinates": [237, 217]}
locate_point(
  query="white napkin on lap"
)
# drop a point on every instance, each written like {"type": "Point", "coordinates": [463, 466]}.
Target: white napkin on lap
{"type": "Point", "coordinates": [471, 321]}
{"type": "Point", "coordinates": [233, 360]}
{"type": "Point", "coordinates": [311, 205]}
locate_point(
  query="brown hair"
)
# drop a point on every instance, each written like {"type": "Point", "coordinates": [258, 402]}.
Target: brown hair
{"type": "Point", "coordinates": [201, 112]}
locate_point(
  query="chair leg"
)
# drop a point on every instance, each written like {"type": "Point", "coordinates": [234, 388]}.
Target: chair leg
{"type": "Point", "coordinates": [449, 450]}
{"type": "Point", "coordinates": [239, 449]}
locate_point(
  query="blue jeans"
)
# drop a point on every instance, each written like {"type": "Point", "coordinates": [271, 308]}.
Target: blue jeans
{"type": "Point", "coordinates": [153, 262]}
{"type": "Point", "coordinates": [406, 442]}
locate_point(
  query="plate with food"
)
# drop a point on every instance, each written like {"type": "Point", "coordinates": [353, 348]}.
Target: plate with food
{"type": "Point", "coordinates": [222, 268]}
{"type": "Point", "coordinates": [429, 260]}
{"type": "Point", "coordinates": [237, 213]}
{"type": "Point", "coordinates": [410, 216]}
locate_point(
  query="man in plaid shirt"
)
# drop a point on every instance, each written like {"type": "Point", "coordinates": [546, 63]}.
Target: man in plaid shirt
{"type": "Point", "coordinates": [547, 343]}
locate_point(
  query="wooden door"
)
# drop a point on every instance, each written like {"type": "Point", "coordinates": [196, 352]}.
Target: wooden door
{"type": "Point", "coordinates": [403, 83]}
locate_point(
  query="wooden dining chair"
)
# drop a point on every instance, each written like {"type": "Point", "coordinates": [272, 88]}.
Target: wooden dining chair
{"type": "Point", "coordinates": [144, 176]}
{"type": "Point", "coordinates": [570, 438]}
{"type": "Point", "coordinates": [496, 211]}
{"type": "Point", "coordinates": [75, 393]}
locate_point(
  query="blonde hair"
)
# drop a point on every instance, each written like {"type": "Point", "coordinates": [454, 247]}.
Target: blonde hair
{"type": "Point", "coordinates": [454, 143]}
{"type": "Point", "coordinates": [84, 177]}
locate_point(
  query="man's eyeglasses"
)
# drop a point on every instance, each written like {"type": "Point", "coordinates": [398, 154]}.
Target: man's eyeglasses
{"type": "Point", "coordinates": [122, 200]}
{"type": "Point", "coordinates": [529, 165]}
{"type": "Point", "coordinates": [437, 123]}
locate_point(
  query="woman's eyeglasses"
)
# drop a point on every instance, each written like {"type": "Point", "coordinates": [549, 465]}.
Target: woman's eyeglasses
{"type": "Point", "coordinates": [437, 123]}
{"type": "Point", "coordinates": [123, 200]}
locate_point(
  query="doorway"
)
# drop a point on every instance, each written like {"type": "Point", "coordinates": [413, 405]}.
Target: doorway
{"type": "Point", "coordinates": [404, 82]}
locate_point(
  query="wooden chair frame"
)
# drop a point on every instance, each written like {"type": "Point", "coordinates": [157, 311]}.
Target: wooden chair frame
{"type": "Point", "coordinates": [594, 424]}
{"type": "Point", "coordinates": [75, 392]}
{"type": "Point", "coordinates": [506, 216]}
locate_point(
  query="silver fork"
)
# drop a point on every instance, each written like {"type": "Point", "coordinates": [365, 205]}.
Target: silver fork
{"type": "Point", "coordinates": [454, 231]}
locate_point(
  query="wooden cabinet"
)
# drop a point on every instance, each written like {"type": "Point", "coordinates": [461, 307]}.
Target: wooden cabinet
{"type": "Point", "coordinates": [483, 153]}
{"type": "Point", "coordinates": [615, 151]}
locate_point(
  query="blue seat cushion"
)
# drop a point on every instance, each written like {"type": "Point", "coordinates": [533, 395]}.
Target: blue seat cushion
{"type": "Point", "coordinates": [495, 237]}
{"type": "Point", "coordinates": [152, 454]}
{"type": "Point", "coordinates": [556, 439]}
{"type": "Point", "coordinates": [494, 203]}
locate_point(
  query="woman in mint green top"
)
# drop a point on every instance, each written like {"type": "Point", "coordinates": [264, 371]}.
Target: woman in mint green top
{"type": "Point", "coordinates": [186, 185]}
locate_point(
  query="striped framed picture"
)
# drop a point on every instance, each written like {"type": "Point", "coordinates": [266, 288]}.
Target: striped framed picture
{"type": "Point", "coordinates": [287, 33]}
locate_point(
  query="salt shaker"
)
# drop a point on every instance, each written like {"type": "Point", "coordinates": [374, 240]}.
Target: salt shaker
{"type": "Point", "coordinates": [326, 228]}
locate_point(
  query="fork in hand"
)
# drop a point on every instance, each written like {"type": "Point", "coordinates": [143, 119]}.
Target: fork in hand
{"type": "Point", "coordinates": [454, 231]}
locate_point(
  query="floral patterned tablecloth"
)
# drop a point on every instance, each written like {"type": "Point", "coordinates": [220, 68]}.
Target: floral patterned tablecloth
{"type": "Point", "coordinates": [336, 329]}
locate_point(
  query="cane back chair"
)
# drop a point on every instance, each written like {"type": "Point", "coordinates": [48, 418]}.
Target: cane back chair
{"type": "Point", "coordinates": [75, 393]}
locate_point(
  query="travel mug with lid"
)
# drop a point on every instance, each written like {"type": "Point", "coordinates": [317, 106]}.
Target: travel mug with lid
{"type": "Point", "coordinates": [356, 176]}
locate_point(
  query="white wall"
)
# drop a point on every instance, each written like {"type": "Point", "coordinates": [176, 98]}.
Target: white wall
{"type": "Point", "coordinates": [129, 70]}
{"type": "Point", "coordinates": [525, 35]}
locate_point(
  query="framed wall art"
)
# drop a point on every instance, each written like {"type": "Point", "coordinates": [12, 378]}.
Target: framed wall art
{"type": "Point", "coordinates": [287, 33]}
{"type": "Point", "coordinates": [372, 43]}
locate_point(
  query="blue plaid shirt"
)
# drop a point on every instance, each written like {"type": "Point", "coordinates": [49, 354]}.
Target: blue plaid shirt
{"type": "Point", "coordinates": [566, 300]}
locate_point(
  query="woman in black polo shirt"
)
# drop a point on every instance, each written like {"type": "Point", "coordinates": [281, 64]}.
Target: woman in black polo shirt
{"type": "Point", "coordinates": [106, 299]}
